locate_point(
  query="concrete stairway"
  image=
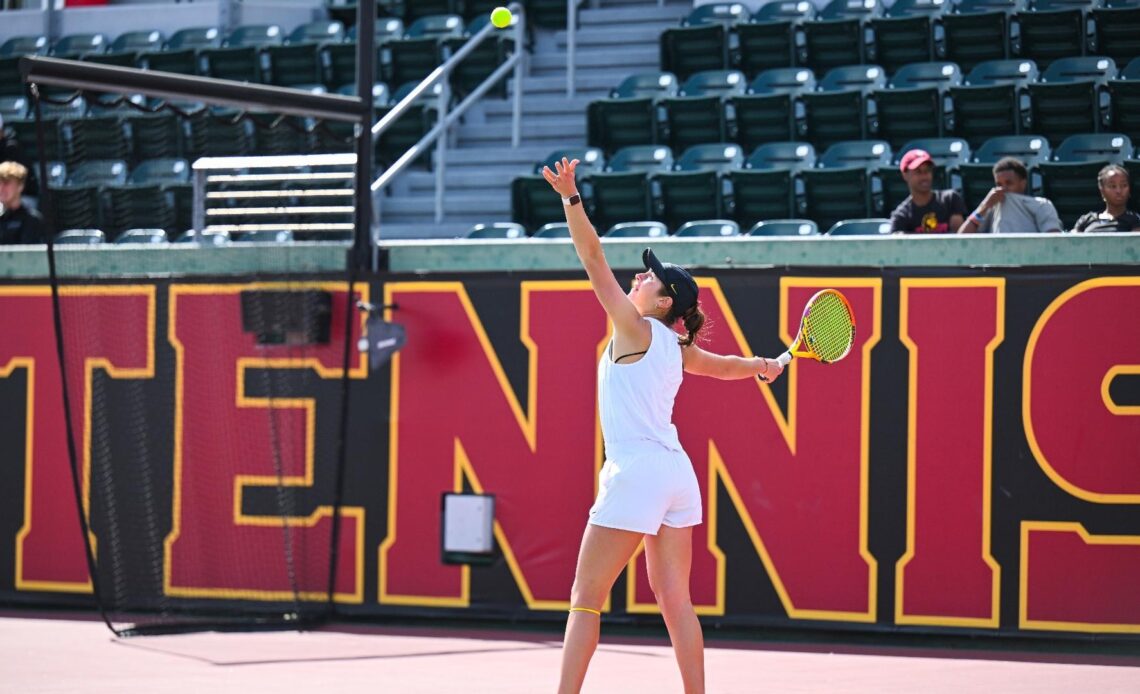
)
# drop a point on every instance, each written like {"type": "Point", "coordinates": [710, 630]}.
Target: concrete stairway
{"type": "Point", "coordinates": [613, 41]}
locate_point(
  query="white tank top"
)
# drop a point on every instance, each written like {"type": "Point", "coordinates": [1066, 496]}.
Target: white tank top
{"type": "Point", "coordinates": [635, 400]}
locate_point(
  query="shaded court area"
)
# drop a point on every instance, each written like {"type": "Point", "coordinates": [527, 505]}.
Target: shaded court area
{"type": "Point", "coordinates": [78, 654]}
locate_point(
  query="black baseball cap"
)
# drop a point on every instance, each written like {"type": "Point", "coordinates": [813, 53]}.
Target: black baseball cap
{"type": "Point", "coordinates": [678, 282]}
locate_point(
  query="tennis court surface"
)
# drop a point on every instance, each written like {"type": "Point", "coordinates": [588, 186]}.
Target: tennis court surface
{"type": "Point", "coordinates": [78, 654]}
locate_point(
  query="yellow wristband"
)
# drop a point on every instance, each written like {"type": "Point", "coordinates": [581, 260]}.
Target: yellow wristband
{"type": "Point", "coordinates": [586, 609]}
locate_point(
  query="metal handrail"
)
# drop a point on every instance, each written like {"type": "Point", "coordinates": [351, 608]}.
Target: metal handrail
{"type": "Point", "coordinates": [447, 118]}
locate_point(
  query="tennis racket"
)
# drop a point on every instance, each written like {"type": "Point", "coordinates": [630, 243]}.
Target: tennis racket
{"type": "Point", "coordinates": [827, 329]}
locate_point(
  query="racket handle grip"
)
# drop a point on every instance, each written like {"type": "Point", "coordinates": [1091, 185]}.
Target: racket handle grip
{"type": "Point", "coordinates": [784, 358]}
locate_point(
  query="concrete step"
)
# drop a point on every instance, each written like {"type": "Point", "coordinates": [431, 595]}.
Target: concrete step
{"type": "Point", "coordinates": [632, 15]}
{"type": "Point", "coordinates": [535, 106]}
{"type": "Point", "coordinates": [465, 181]}
{"type": "Point", "coordinates": [559, 133]}
{"type": "Point", "coordinates": [423, 230]}
{"type": "Point", "coordinates": [629, 59]}
{"type": "Point", "coordinates": [466, 205]}
{"type": "Point", "coordinates": [647, 34]}
{"type": "Point", "coordinates": [592, 84]}
{"type": "Point", "coordinates": [523, 156]}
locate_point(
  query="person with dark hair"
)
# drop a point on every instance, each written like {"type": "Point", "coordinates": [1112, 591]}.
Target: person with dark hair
{"type": "Point", "coordinates": [1007, 209]}
{"type": "Point", "coordinates": [925, 210]}
{"type": "Point", "coordinates": [18, 222]}
{"type": "Point", "coordinates": [1114, 190]}
{"type": "Point", "coordinates": [647, 488]}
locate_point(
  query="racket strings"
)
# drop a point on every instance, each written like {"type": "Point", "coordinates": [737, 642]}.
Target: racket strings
{"type": "Point", "coordinates": [829, 327]}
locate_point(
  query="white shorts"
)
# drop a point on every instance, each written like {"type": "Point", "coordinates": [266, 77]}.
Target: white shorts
{"type": "Point", "coordinates": [642, 492]}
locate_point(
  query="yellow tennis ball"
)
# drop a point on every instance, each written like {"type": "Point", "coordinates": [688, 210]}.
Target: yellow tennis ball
{"type": "Point", "coordinates": [501, 17]}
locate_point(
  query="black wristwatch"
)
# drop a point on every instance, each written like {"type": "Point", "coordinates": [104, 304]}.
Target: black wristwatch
{"type": "Point", "coordinates": [572, 200]}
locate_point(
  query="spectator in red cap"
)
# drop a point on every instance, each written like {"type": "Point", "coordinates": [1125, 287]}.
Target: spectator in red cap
{"type": "Point", "coordinates": [925, 210]}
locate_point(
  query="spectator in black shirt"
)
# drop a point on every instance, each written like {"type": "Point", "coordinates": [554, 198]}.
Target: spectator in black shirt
{"type": "Point", "coordinates": [1114, 189]}
{"type": "Point", "coordinates": [10, 150]}
{"type": "Point", "coordinates": [18, 223]}
{"type": "Point", "coordinates": [925, 210]}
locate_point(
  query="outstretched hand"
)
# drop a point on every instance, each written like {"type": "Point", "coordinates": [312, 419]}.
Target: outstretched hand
{"type": "Point", "coordinates": [563, 181]}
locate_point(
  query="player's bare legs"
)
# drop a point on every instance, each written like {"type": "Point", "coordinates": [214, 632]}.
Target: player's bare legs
{"type": "Point", "coordinates": [668, 557]}
{"type": "Point", "coordinates": [603, 555]}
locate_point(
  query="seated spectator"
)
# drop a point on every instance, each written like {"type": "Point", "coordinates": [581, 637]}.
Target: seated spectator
{"type": "Point", "coordinates": [926, 211]}
{"type": "Point", "coordinates": [10, 150]}
{"type": "Point", "coordinates": [1115, 189]}
{"type": "Point", "coordinates": [1007, 209]}
{"type": "Point", "coordinates": [18, 223]}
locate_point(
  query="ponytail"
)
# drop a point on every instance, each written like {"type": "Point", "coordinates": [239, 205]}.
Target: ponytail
{"type": "Point", "coordinates": [694, 321]}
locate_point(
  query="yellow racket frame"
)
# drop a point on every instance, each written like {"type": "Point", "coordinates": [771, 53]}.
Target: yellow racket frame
{"type": "Point", "coordinates": [802, 347]}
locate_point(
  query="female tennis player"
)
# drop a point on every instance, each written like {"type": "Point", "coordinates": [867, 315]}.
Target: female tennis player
{"type": "Point", "coordinates": [648, 489]}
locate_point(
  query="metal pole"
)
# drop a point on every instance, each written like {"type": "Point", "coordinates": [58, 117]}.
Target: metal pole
{"type": "Point", "coordinates": [520, 38]}
{"type": "Point", "coordinates": [571, 40]}
{"type": "Point", "coordinates": [441, 150]}
{"type": "Point", "coordinates": [198, 221]}
{"type": "Point", "coordinates": [365, 76]}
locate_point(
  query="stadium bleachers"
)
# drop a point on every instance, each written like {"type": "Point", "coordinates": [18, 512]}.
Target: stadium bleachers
{"type": "Point", "coordinates": [967, 80]}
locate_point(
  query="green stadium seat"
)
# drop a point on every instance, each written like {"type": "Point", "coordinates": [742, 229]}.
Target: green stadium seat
{"type": "Point", "coordinates": [1117, 32]}
{"type": "Point", "coordinates": [94, 137]}
{"type": "Point", "coordinates": [24, 45]}
{"type": "Point", "coordinates": [421, 50]}
{"type": "Point", "coordinates": [135, 42]}
{"type": "Point", "coordinates": [696, 114]}
{"type": "Point", "coordinates": [769, 40]}
{"type": "Point", "coordinates": [11, 83]}
{"type": "Point", "coordinates": [769, 111]}
{"type": "Point", "coordinates": [427, 8]}
{"type": "Point", "coordinates": [763, 189]}
{"type": "Point", "coordinates": [380, 95]}
{"type": "Point", "coordinates": [1071, 186]}
{"type": "Point", "coordinates": [74, 46]}
{"type": "Point", "coordinates": [204, 238]}
{"type": "Point", "coordinates": [218, 133]}
{"type": "Point", "coordinates": [154, 135]}
{"type": "Point", "coordinates": [784, 227]}
{"type": "Point", "coordinates": [550, 14]}
{"type": "Point", "coordinates": [291, 64]}
{"type": "Point", "coordinates": [194, 38]}
{"type": "Point", "coordinates": [830, 195]}
{"type": "Point", "coordinates": [613, 124]}
{"type": "Point", "coordinates": [338, 64]}
{"type": "Point", "coordinates": [387, 29]}
{"type": "Point", "coordinates": [1051, 29]}
{"type": "Point", "coordinates": [99, 172]}
{"type": "Point", "coordinates": [976, 32]}
{"type": "Point", "coordinates": [637, 229]}
{"type": "Point", "coordinates": [533, 204]}
{"type": "Point", "coordinates": [323, 31]}
{"type": "Point", "coordinates": [160, 171]}
{"type": "Point", "coordinates": [283, 236]}
{"type": "Point", "coordinates": [693, 190]}
{"type": "Point", "coordinates": [1124, 95]}
{"type": "Point", "coordinates": [915, 103]}
{"type": "Point", "coordinates": [836, 36]}
{"type": "Point", "coordinates": [77, 207]}
{"type": "Point", "coordinates": [861, 227]}
{"type": "Point", "coordinates": [497, 230]}
{"type": "Point", "coordinates": [709, 228]}
{"type": "Point", "coordinates": [646, 84]}
{"type": "Point", "coordinates": [622, 192]}
{"type": "Point", "coordinates": [992, 102]}
{"type": "Point", "coordinates": [144, 236]}
{"type": "Point", "coordinates": [13, 106]}
{"type": "Point", "coordinates": [255, 35]}
{"type": "Point", "coordinates": [907, 34]}
{"type": "Point", "coordinates": [865, 153]}
{"type": "Point", "coordinates": [1111, 148]}
{"type": "Point", "coordinates": [553, 230]}
{"type": "Point", "coordinates": [590, 160]}
{"type": "Point", "coordinates": [701, 43]}
{"type": "Point", "coordinates": [838, 110]}
{"type": "Point", "coordinates": [79, 237]}
{"type": "Point", "coordinates": [1071, 98]}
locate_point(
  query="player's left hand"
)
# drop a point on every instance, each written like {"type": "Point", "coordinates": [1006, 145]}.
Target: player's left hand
{"type": "Point", "coordinates": [563, 181]}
